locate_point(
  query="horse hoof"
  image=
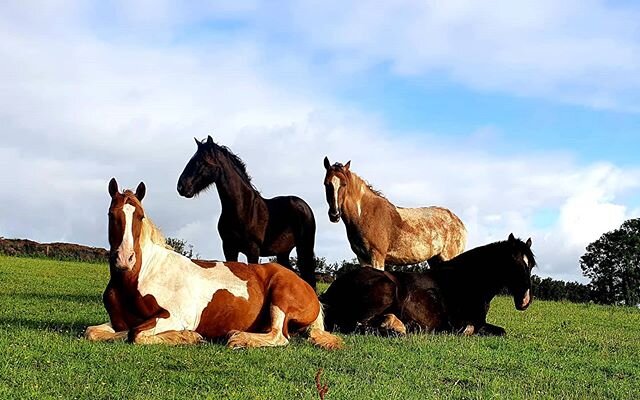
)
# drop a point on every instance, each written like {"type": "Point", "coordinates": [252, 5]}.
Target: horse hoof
{"type": "Point", "coordinates": [469, 330]}
{"type": "Point", "coordinates": [392, 323]}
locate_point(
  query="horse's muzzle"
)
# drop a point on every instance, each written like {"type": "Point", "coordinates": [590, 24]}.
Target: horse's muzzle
{"type": "Point", "coordinates": [124, 260]}
{"type": "Point", "coordinates": [184, 191]}
{"type": "Point", "coordinates": [334, 217]}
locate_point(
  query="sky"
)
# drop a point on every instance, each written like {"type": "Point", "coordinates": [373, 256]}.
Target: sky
{"type": "Point", "coordinates": [519, 116]}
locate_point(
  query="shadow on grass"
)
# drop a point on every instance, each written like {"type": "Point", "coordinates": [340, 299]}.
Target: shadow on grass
{"type": "Point", "coordinates": [75, 298]}
{"type": "Point", "coordinates": [64, 328]}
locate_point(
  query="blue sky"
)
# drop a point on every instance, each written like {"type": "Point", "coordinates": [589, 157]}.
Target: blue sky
{"type": "Point", "coordinates": [520, 116]}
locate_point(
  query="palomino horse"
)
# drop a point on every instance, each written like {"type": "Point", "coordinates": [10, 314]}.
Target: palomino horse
{"type": "Point", "coordinates": [248, 222]}
{"type": "Point", "coordinates": [453, 296]}
{"type": "Point", "coordinates": [380, 232]}
{"type": "Point", "coordinates": [156, 295]}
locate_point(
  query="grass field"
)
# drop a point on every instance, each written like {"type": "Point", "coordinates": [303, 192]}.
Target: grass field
{"type": "Point", "coordinates": [553, 350]}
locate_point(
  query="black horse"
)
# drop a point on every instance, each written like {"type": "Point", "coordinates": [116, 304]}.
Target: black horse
{"type": "Point", "coordinates": [250, 223]}
{"type": "Point", "coordinates": [452, 296]}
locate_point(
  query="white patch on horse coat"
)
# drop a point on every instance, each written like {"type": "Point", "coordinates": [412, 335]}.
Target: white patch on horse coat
{"type": "Point", "coordinates": [418, 245]}
{"type": "Point", "coordinates": [335, 181]}
{"type": "Point", "coordinates": [182, 287]}
{"type": "Point", "coordinates": [526, 260]}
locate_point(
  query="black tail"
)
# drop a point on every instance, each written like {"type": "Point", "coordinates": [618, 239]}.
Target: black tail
{"type": "Point", "coordinates": [305, 241]}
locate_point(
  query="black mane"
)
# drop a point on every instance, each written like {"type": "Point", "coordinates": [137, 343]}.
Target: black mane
{"type": "Point", "coordinates": [237, 163]}
{"type": "Point", "coordinates": [488, 253]}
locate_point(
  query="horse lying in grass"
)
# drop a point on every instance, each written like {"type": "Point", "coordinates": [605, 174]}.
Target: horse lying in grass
{"type": "Point", "coordinates": [452, 296]}
{"type": "Point", "coordinates": [381, 233]}
{"type": "Point", "coordinates": [156, 295]}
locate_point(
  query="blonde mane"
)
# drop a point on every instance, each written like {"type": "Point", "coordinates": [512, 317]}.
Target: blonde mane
{"type": "Point", "coordinates": [357, 180]}
{"type": "Point", "coordinates": [151, 232]}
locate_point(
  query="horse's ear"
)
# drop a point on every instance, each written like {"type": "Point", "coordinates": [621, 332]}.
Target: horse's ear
{"type": "Point", "coordinates": [197, 142]}
{"type": "Point", "coordinates": [113, 187]}
{"type": "Point", "coordinates": [327, 164]}
{"type": "Point", "coordinates": [529, 242]}
{"type": "Point", "coordinates": [209, 140]}
{"type": "Point", "coordinates": [511, 237]}
{"type": "Point", "coordinates": [347, 165]}
{"type": "Point", "coordinates": [141, 191]}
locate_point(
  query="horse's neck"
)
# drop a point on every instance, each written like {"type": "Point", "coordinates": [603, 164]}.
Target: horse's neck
{"type": "Point", "coordinates": [236, 195]}
{"type": "Point", "coordinates": [477, 278]}
{"type": "Point", "coordinates": [156, 257]}
{"type": "Point", "coordinates": [359, 198]}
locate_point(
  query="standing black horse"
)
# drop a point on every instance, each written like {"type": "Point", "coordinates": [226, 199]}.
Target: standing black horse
{"type": "Point", "coordinates": [250, 223]}
{"type": "Point", "coordinates": [452, 296]}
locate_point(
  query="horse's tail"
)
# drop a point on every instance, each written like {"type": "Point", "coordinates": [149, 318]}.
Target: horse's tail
{"type": "Point", "coordinates": [305, 242]}
{"type": "Point", "coordinates": [321, 338]}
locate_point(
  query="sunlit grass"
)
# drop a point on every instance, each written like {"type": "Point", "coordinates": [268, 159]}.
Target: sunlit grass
{"type": "Point", "coordinates": [553, 350]}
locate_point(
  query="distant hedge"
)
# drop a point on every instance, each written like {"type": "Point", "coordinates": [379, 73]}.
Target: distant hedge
{"type": "Point", "coordinates": [58, 251]}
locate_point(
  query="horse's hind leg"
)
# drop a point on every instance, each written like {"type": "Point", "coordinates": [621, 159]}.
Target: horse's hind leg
{"type": "Point", "coordinates": [306, 260]}
{"type": "Point", "coordinates": [104, 333]}
{"type": "Point", "coordinates": [275, 336]}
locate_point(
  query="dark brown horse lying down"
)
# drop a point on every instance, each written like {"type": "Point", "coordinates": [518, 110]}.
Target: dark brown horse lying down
{"type": "Point", "coordinates": [156, 295]}
{"type": "Point", "coordinates": [452, 296]}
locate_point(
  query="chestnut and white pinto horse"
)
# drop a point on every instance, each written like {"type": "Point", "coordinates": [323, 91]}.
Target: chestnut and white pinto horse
{"type": "Point", "coordinates": [156, 295]}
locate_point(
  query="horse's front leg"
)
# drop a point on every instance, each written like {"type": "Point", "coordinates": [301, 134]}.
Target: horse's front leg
{"type": "Point", "coordinates": [230, 251]}
{"type": "Point", "coordinates": [114, 330]}
{"type": "Point", "coordinates": [163, 330]}
{"type": "Point", "coordinates": [104, 333]}
{"type": "Point", "coordinates": [392, 324]}
{"type": "Point", "coordinates": [253, 253]}
{"type": "Point", "coordinates": [284, 260]}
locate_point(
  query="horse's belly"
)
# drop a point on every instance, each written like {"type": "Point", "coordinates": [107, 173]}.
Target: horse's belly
{"type": "Point", "coordinates": [409, 253]}
{"type": "Point", "coordinates": [283, 242]}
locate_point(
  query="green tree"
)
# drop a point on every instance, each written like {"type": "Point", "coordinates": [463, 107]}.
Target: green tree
{"type": "Point", "coordinates": [181, 246]}
{"type": "Point", "coordinates": [613, 264]}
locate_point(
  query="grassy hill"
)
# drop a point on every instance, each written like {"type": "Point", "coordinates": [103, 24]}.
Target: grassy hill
{"type": "Point", "coordinates": [553, 350]}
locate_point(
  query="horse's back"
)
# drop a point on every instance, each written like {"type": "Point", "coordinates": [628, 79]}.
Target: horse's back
{"type": "Point", "coordinates": [357, 296]}
{"type": "Point", "coordinates": [289, 208]}
{"type": "Point", "coordinates": [426, 232]}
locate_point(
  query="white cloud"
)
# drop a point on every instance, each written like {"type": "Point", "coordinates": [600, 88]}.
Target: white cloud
{"type": "Point", "coordinates": [77, 109]}
{"type": "Point", "coordinates": [582, 52]}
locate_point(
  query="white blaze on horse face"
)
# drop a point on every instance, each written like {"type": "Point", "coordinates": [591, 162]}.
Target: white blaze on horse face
{"type": "Point", "coordinates": [335, 181]}
{"type": "Point", "coordinates": [126, 253]}
{"type": "Point", "coordinates": [526, 260]}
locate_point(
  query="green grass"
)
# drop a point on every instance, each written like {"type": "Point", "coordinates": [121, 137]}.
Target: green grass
{"type": "Point", "coordinates": [553, 350]}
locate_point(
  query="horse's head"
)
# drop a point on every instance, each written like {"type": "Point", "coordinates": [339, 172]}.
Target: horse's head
{"type": "Point", "coordinates": [125, 225]}
{"type": "Point", "coordinates": [518, 271]}
{"type": "Point", "coordinates": [201, 171]}
{"type": "Point", "coordinates": [335, 185]}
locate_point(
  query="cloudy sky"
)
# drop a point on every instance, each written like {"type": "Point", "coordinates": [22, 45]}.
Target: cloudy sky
{"type": "Point", "coordinates": [520, 116]}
